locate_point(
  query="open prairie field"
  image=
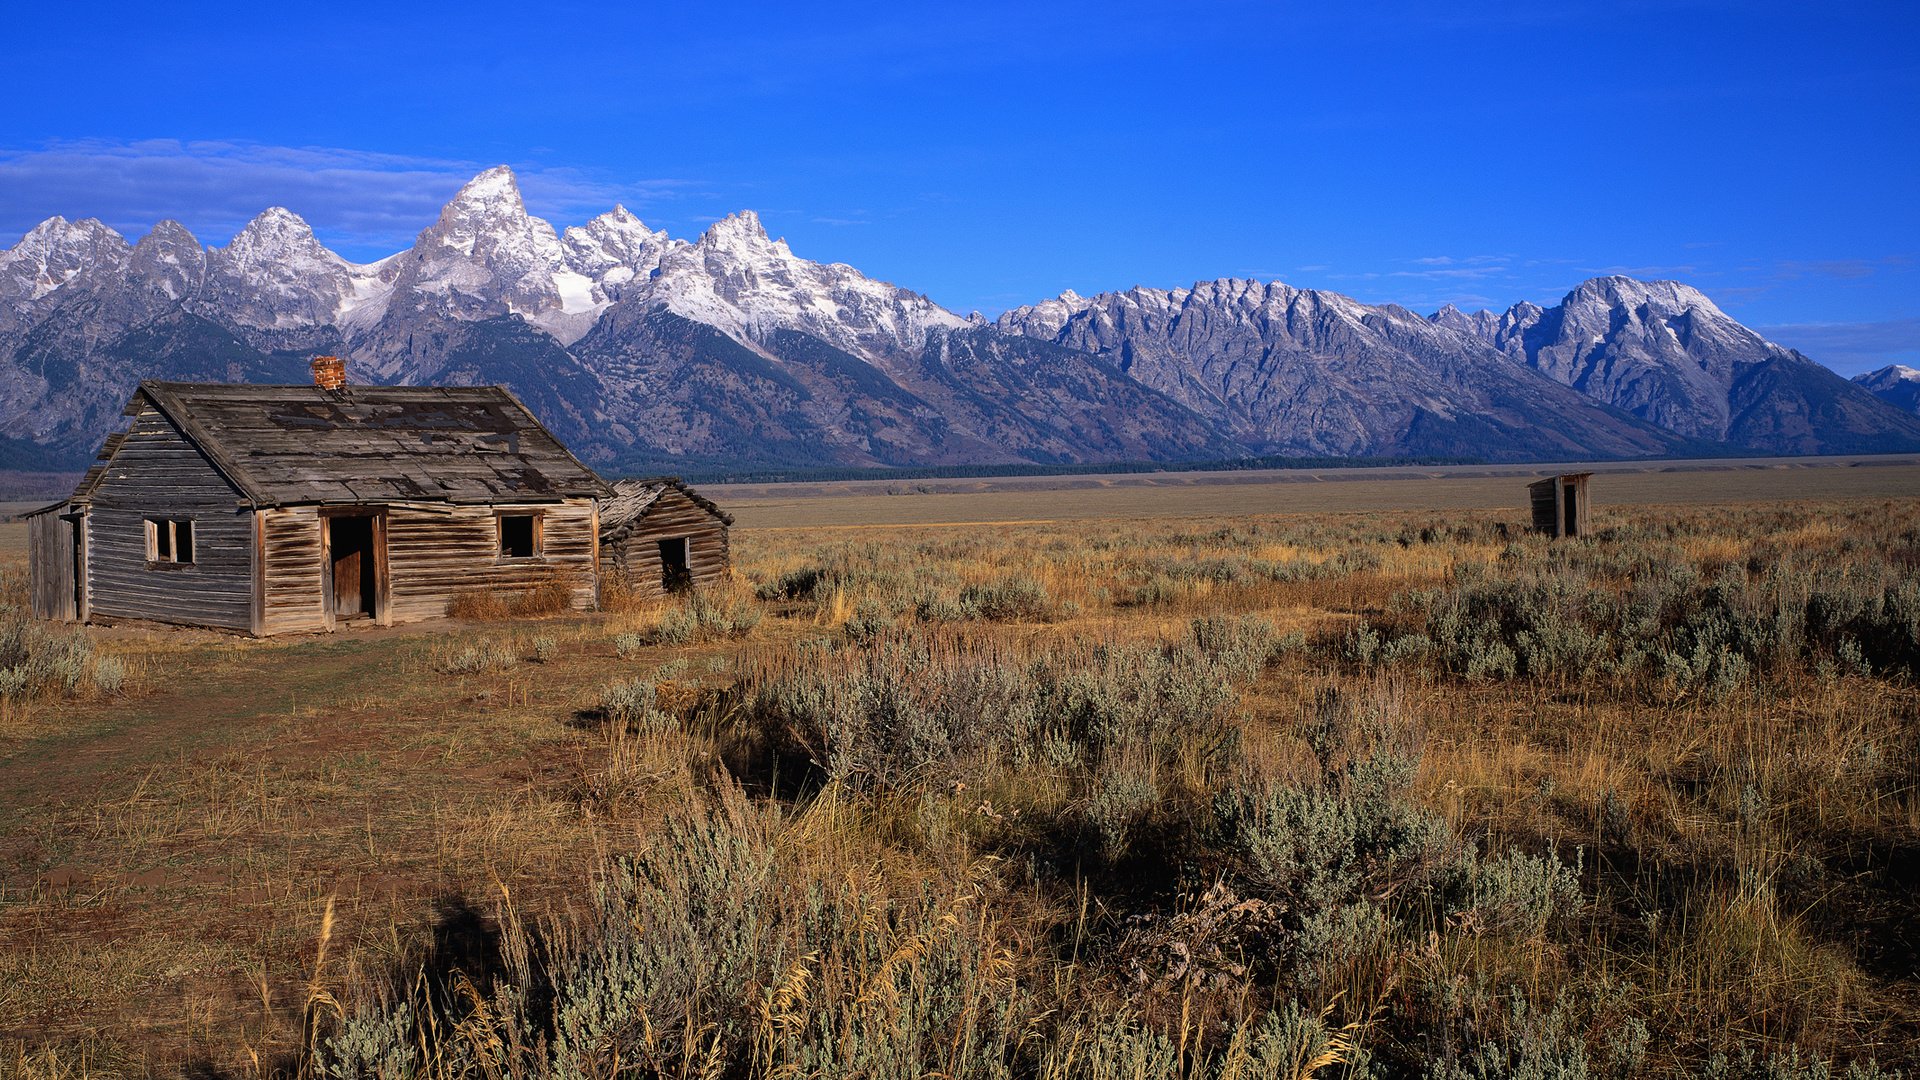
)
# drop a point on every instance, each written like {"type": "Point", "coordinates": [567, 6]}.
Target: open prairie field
{"type": "Point", "coordinates": [1291, 777]}
{"type": "Point", "coordinates": [1305, 491]}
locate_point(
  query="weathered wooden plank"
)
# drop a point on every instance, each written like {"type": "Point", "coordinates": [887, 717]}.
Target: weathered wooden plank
{"type": "Point", "coordinates": [294, 594]}
{"type": "Point", "coordinates": [157, 473]}
{"type": "Point", "coordinates": [432, 557]}
{"type": "Point", "coordinates": [51, 557]}
{"type": "Point", "coordinates": [634, 557]}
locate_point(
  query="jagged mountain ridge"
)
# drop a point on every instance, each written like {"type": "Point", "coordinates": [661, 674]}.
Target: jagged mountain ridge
{"type": "Point", "coordinates": [1896, 384]}
{"type": "Point", "coordinates": [1664, 352]}
{"type": "Point", "coordinates": [1311, 372]}
{"type": "Point", "coordinates": [730, 348]}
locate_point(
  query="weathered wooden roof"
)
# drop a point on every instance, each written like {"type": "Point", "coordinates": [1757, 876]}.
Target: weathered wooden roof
{"type": "Point", "coordinates": [1546, 485]}
{"type": "Point", "coordinates": [283, 445]}
{"type": "Point", "coordinates": [631, 499]}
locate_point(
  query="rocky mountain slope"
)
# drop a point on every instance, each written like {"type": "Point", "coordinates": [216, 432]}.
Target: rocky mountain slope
{"type": "Point", "coordinates": [1663, 352]}
{"type": "Point", "coordinates": [1896, 384]}
{"type": "Point", "coordinates": [1308, 372]}
{"type": "Point", "coordinates": [729, 349]}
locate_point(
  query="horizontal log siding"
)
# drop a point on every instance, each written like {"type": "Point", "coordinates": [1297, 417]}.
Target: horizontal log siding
{"type": "Point", "coordinates": [50, 565]}
{"type": "Point", "coordinates": [158, 473]}
{"type": "Point", "coordinates": [635, 559]}
{"type": "Point", "coordinates": [295, 601]}
{"type": "Point", "coordinates": [433, 557]}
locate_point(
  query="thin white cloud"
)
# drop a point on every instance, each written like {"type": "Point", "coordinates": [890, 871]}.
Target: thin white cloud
{"type": "Point", "coordinates": [1645, 273]}
{"type": "Point", "coordinates": [1851, 348]}
{"type": "Point", "coordinates": [1472, 273]}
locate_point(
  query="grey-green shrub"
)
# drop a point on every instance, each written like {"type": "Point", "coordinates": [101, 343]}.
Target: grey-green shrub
{"type": "Point", "coordinates": [631, 705]}
{"type": "Point", "coordinates": [37, 659]}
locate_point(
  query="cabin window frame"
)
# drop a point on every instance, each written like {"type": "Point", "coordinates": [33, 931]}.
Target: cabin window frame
{"type": "Point", "coordinates": [537, 546]}
{"type": "Point", "coordinates": [676, 579]}
{"type": "Point", "coordinates": [166, 538]}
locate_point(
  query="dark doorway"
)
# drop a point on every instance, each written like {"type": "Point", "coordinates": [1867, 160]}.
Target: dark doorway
{"type": "Point", "coordinates": [353, 567]}
{"type": "Point", "coordinates": [1570, 510]}
{"type": "Point", "coordinates": [80, 570]}
{"type": "Point", "coordinates": [675, 575]}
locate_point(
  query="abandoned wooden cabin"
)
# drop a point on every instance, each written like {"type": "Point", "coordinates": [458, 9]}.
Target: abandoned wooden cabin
{"type": "Point", "coordinates": [659, 536]}
{"type": "Point", "coordinates": [1560, 504]}
{"type": "Point", "coordinates": [270, 509]}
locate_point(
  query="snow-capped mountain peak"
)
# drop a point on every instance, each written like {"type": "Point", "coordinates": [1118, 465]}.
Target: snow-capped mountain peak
{"type": "Point", "coordinates": [1665, 297]}
{"type": "Point", "coordinates": [1481, 324]}
{"type": "Point", "coordinates": [1888, 377]}
{"type": "Point", "coordinates": [614, 249]}
{"type": "Point", "coordinates": [169, 260]}
{"type": "Point", "coordinates": [1896, 384]}
{"type": "Point", "coordinates": [487, 256]}
{"type": "Point", "coordinates": [53, 253]}
{"type": "Point", "coordinates": [742, 232]}
{"type": "Point", "coordinates": [276, 275]}
{"type": "Point", "coordinates": [741, 281]}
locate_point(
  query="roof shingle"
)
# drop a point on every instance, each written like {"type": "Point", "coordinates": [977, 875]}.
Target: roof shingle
{"type": "Point", "coordinates": [282, 445]}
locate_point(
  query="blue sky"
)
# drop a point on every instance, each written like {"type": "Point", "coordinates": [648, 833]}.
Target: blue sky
{"type": "Point", "coordinates": [991, 154]}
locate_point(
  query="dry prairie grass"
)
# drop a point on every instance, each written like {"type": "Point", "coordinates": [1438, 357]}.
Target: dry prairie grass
{"type": "Point", "coordinates": [553, 596]}
{"type": "Point", "coordinates": [1160, 797]}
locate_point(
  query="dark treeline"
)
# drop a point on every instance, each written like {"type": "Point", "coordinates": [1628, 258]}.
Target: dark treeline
{"type": "Point", "coordinates": [720, 474]}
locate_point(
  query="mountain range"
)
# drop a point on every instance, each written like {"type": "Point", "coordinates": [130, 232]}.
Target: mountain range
{"type": "Point", "coordinates": [648, 351]}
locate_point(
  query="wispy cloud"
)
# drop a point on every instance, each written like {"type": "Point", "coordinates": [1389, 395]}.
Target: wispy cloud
{"type": "Point", "coordinates": [1463, 260]}
{"type": "Point", "coordinates": [1645, 273]}
{"type": "Point", "coordinates": [1844, 269]}
{"type": "Point", "coordinates": [1851, 348]}
{"type": "Point", "coordinates": [359, 201]}
{"type": "Point", "coordinates": [1453, 273]}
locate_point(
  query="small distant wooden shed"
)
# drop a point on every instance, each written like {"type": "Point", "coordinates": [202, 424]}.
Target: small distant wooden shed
{"type": "Point", "coordinates": [269, 509]}
{"type": "Point", "coordinates": [1560, 504]}
{"type": "Point", "coordinates": [659, 536]}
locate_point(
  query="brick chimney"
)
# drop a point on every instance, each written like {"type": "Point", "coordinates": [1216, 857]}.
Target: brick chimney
{"type": "Point", "coordinates": [329, 372]}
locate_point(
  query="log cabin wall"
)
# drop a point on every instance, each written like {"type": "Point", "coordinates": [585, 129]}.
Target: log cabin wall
{"type": "Point", "coordinates": [634, 559]}
{"type": "Point", "coordinates": [50, 564]}
{"type": "Point", "coordinates": [432, 557]}
{"type": "Point", "coordinates": [158, 473]}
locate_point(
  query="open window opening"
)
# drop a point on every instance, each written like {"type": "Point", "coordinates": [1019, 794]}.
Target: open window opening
{"type": "Point", "coordinates": [170, 541]}
{"type": "Point", "coordinates": [675, 572]}
{"type": "Point", "coordinates": [519, 536]}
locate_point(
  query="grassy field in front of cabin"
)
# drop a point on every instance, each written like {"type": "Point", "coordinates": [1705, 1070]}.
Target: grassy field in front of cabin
{"type": "Point", "coordinates": [1324, 779]}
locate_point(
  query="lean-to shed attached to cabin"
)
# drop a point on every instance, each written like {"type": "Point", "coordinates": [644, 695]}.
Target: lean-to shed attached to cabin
{"type": "Point", "coordinates": [1560, 504]}
{"type": "Point", "coordinates": [659, 535]}
{"type": "Point", "coordinates": [269, 509]}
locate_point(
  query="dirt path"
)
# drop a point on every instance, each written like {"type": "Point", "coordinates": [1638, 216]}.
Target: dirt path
{"type": "Point", "coordinates": [193, 704]}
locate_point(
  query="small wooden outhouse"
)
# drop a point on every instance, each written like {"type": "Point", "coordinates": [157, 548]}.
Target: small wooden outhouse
{"type": "Point", "coordinates": [659, 536]}
{"type": "Point", "coordinates": [1560, 504]}
{"type": "Point", "coordinates": [269, 509]}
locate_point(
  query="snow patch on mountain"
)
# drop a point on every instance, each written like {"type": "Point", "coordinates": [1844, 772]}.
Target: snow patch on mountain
{"type": "Point", "coordinates": [739, 280]}
{"type": "Point", "coordinates": [54, 253]}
